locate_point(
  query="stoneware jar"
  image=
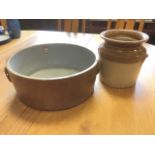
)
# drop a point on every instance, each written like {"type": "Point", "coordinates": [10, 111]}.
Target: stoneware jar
{"type": "Point", "coordinates": [121, 57]}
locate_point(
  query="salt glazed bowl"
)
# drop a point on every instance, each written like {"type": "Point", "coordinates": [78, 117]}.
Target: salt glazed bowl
{"type": "Point", "coordinates": [53, 76]}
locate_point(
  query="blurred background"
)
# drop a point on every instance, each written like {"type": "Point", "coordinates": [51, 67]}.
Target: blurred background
{"type": "Point", "coordinates": [91, 25]}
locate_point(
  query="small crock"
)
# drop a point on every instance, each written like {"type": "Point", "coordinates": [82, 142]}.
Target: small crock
{"type": "Point", "coordinates": [121, 56]}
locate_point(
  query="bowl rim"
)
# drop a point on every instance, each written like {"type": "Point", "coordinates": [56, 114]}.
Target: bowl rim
{"type": "Point", "coordinates": [93, 65]}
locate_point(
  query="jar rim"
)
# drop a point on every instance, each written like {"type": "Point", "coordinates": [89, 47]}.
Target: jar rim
{"type": "Point", "coordinates": [124, 36]}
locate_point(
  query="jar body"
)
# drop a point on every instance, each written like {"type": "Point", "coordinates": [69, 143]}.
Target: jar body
{"type": "Point", "coordinates": [118, 74]}
{"type": "Point", "coordinates": [120, 62]}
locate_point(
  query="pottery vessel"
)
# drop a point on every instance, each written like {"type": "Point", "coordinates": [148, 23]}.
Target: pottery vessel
{"type": "Point", "coordinates": [53, 76]}
{"type": "Point", "coordinates": [121, 56]}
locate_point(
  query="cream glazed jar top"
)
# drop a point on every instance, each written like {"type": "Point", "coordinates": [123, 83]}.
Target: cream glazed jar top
{"type": "Point", "coordinates": [121, 55]}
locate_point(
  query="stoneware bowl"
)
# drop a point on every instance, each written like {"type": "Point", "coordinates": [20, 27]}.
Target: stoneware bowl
{"type": "Point", "coordinates": [53, 76]}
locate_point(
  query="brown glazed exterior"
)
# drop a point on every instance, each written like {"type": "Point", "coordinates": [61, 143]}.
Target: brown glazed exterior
{"type": "Point", "coordinates": [123, 46]}
{"type": "Point", "coordinates": [54, 94]}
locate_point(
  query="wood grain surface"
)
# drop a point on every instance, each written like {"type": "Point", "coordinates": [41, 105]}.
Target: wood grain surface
{"type": "Point", "coordinates": [107, 111]}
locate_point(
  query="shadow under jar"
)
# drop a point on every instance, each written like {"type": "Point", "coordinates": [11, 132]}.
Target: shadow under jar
{"type": "Point", "coordinates": [121, 57]}
{"type": "Point", "coordinates": [53, 76]}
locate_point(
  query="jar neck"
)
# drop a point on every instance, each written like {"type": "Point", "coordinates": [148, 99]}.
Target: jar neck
{"type": "Point", "coordinates": [121, 45]}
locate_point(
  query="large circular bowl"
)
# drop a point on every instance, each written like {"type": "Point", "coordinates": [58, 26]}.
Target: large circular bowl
{"type": "Point", "coordinates": [53, 76]}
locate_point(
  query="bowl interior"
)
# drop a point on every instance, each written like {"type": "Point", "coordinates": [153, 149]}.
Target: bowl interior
{"type": "Point", "coordinates": [51, 60]}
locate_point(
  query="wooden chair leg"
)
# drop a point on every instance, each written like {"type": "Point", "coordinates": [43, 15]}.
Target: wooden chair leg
{"type": "Point", "coordinates": [59, 24]}
{"type": "Point", "coordinates": [120, 23]}
{"type": "Point", "coordinates": [84, 25]}
{"type": "Point", "coordinates": [109, 24]}
{"type": "Point", "coordinates": [130, 23]}
{"type": "Point", "coordinates": [141, 25]}
{"type": "Point", "coordinates": [67, 25]}
{"type": "Point", "coordinates": [75, 25]}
